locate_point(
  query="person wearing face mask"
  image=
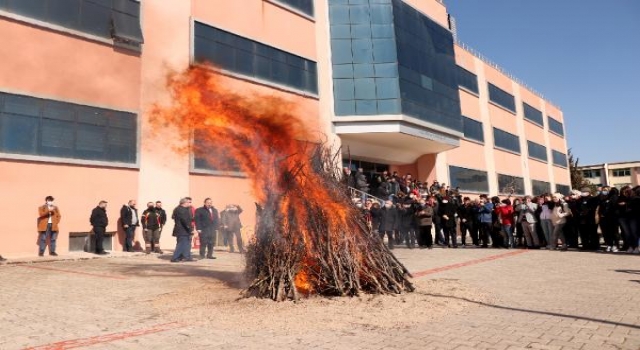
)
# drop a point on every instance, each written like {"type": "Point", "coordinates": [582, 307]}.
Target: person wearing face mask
{"type": "Point", "coordinates": [587, 226]}
{"type": "Point", "coordinates": [408, 223]}
{"type": "Point", "coordinates": [485, 218]}
{"type": "Point", "coordinates": [559, 218]}
{"type": "Point", "coordinates": [447, 213]}
{"type": "Point", "coordinates": [528, 220]}
{"type": "Point", "coordinates": [608, 218]}
{"type": "Point", "coordinates": [48, 221]}
{"type": "Point", "coordinates": [424, 222]}
{"type": "Point", "coordinates": [389, 222]}
{"type": "Point", "coordinates": [151, 225]}
{"type": "Point", "coordinates": [99, 221]}
{"type": "Point", "coordinates": [129, 220]}
{"type": "Point", "coordinates": [466, 212]}
{"type": "Point", "coordinates": [231, 226]}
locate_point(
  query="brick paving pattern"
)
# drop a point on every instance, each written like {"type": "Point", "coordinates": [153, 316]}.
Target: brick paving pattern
{"type": "Point", "coordinates": [466, 299]}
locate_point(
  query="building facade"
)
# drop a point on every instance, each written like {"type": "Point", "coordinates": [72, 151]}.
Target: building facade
{"type": "Point", "coordinates": [612, 174]}
{"type": "Point", "coordinates": [382, 79]}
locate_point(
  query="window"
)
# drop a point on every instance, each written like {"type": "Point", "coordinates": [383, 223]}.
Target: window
{"type": "Point", "coordinates": [591, 173]}
{"type": "Point", "coordinates": [253, 59]}
{"type": "Point", "coordinates": [563, 189]}
{"type": "Point", "coordinates": [117, 19]}
{"type": "Point", "coordinates": [622, 172]}
{"type": "Point", "coordinates": [428, 72]}
{"type": "Point", "coordinates": [472, 129]}
{"type": "Point", "coordinates": [41, 127]}
{"type": "Point", "coordinates": [212, 156]}
{"type": "Point", "coordinates": [559, 158]}
{"type": "Point", "coordinates": [537, 151]}
{"type": "Point", "coordinates": [505, 140]}
{"type": "Point", "coordinates": [304, 6]}
{"type": "Point", "coordinates": [502, 98]}
{"type": "Point", "coordinates": [540, 187]}
{"type": "Point", "coordinates": [533, 114]}
{"type": "Point", "coordinates": [468, 179]}
{"type": "Point", "coordinates": [508, 184]}
{"type": "Point", "coordinates": [467, 80]}
{"type": "Point", "coordinates": [555, 126]}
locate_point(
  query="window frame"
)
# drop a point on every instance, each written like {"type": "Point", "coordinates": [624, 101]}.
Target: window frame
{"type": "Point", "coordinates": [535, 157]}
{"type": "Point", "coordinates": [452, 185]}
{"type": "Point", "coordinates": [464, 121]}
{"type": "Point", "coordinates": [555, 154]}
{"type": "Point", "coordinates": [527, 116]}
{"type": "Point", "coordinates": [74, 105]}
{"type": "Point", "coordinates": [502, 93]}
{"type": "Point", "coordinates": [259, 51]}
{"type": "Point", "coordinates": [518, 152]}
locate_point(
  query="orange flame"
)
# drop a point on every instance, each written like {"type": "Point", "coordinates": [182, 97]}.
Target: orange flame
{"type": "Point", "coordinates": [261, 133]}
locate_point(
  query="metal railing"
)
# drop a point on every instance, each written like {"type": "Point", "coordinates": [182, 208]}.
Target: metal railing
{"type": "Point", "coordinates": [359, 194]}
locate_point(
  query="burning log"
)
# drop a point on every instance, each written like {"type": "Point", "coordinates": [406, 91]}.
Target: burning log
{"type": "Point", "coordinates": [310, 238]}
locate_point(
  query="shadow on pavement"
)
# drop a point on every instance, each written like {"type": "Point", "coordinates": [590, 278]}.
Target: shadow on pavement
{"type": "Point", "coordinates": [635, 326]}
{"type": "Point", "coordinates": [232, 279]}
{"type": "Point", "coordinates": [633, 272]}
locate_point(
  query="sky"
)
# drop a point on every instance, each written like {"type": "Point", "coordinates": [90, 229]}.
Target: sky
{"type": "Point", "coordinates": [582, 55]}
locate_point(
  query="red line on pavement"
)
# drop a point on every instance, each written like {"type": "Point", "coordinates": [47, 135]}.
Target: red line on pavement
{"type": "Point", "coordinates": [107, 338]}
{"type": "Point", "coordinates": [467, 263]}
{"type": "Point", "coordinates": [75, 272]}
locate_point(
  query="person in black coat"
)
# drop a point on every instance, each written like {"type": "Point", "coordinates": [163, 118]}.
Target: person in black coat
{"type": "Point", "coordinates": [129, 219]}
{"type": "Point", "coordinates": [182, 230]}
{"type": "Point", "coordinates": [608, 216]}
{"type": "Point", "coordinates": [447, 213]}
{"type": "Point", "coordinates": [587, 226]}
{"type": "Point", "coordinates": [207, 222]}
{"type": "Point", "coordinates": [407, 226]}
{"type": "Point", "coordinates": [389, 222]}
{"type": "Point", "coordinates": [467, 214]}
{"type": "Point", "coordinates": [99, 221]}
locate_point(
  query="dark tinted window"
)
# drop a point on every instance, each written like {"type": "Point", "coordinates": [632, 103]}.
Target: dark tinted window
{"type": "Point", "coordinates": [555, 126]}
{"type": "Point", "coordinates": [467, 80]}
{"type": "Point", "coordinates": [563, 189]}
{"type": "Point", "coordinates": [428, 72]}
{"type": "Point", "coordinates": [468, 179]}
{"type": "Point", "coordinates": [363, 57]}
{"type": "Point", "coordinates": [508, 184]}
{"type": "Point", "coordinates": [540, 187]}
{"type": "Point", "coordinates": [304, 6]}
{"type": "Point", "coordinates": [34, 126]}
{"type": "Point", "coordinates": [247, 57]}
{"type": "Point", "coordinates": [537, 151]}
{"type": "Point", "coordinates": [502, 98]}
{"type": "Point", "coordinates": [533, 114]}
{"type": "Point", "coordinates": [559, 158]}
{"type": "Point", "coordinates": [119, 19]}
{"type": "Point", "coordinates": [472, 129]}
{"type": "Point", "coordinates": [505, 140]}
{"type": "Point", "coordinates": [205, 152]}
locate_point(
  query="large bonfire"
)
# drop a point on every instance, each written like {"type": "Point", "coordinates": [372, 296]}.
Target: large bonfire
{"type": "Point", "coordinates": [309, 239]}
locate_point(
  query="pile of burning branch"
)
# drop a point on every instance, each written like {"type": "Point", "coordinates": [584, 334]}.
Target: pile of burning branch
{"type": "Point", "coordinates": [310, 239]}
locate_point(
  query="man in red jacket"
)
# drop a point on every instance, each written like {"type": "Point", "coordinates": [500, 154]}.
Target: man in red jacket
{"type": "Point", "coordinates": [505, 216]}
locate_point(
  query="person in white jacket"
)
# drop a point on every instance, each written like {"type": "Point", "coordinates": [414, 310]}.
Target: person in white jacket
{"type": "Point", "coordinates": [559, 219]}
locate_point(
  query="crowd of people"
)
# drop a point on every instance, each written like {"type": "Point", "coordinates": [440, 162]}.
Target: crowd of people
{"type": "Point", "coordinates": [203, 222]}
{"type": "Point", "coordinates": [406, 211]}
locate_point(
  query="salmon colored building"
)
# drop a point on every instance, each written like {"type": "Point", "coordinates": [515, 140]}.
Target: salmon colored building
{"type": "Point", "coordinates": [382, 79]}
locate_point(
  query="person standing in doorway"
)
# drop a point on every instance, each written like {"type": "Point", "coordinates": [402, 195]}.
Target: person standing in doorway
{"type": "Point", "coordinates": [99, 221]}
{"type": "Point", "coordinates": [207, 222]}
{"type": "Point", "coordinates": [48, 220]}
{"type": "Point", "coordinates": [129, 219]}
{"type": "Point", "coordinates": [183, 230]}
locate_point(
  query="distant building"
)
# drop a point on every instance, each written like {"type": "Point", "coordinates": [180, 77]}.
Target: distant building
{"type": "Point", "coordinates": [612, 174]}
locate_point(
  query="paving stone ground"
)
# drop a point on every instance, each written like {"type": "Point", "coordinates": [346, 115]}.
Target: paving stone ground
{"type": "Point", "coordinates": [465, 299]}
